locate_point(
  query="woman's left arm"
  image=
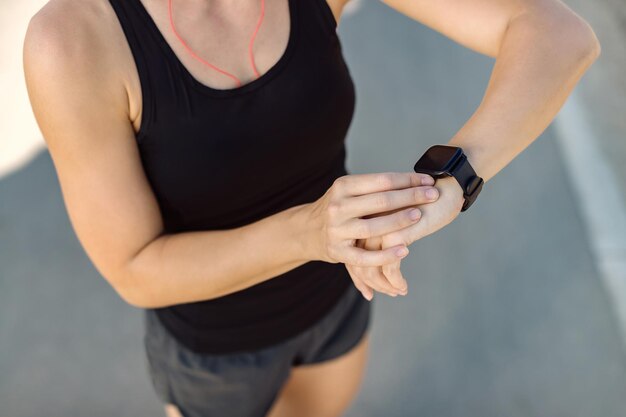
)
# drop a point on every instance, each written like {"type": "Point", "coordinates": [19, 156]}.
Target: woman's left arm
{"type": "Point", "coordinates": [542, 49]}
{"type": "Point", "coordinates": [541, 53]}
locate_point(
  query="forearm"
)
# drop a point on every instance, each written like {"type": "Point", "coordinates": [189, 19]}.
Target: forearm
{"type": "Point", "coordinates": [200, 265]}
{"type": "Point", "coordinates": [541, 60]}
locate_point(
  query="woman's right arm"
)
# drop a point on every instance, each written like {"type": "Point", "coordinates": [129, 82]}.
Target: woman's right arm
{"type": "Point", "coordinates": [81, 105]}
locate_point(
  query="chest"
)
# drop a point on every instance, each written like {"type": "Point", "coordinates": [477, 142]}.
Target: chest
{"type": "Point", "coordinates": [235, 154]}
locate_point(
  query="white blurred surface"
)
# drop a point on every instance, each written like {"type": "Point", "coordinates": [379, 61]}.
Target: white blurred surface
{"type": "Point", "coordinates": [20, 138]}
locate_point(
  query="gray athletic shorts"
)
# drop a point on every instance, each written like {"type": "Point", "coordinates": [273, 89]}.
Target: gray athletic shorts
{"type": "Point", "coordinates": [247, 384]}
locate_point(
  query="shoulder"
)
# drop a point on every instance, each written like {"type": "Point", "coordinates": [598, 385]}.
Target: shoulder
{"type": "Point", "coordinates": [72, 37]}
{"type": "Point", "coordinates": [70, 27]}
{"type": "Point", "coordinates": [70, 46]}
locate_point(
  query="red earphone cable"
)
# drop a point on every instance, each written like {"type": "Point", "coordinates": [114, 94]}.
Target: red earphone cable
{"type": "Point", "coordinates": [193, 54]}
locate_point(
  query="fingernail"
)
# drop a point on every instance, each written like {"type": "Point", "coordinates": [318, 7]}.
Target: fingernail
{"type": "Point", "coordinates": [402, 251]}
{"type": "Point", "coordinates": [431, 193]}
{"type": "Point", "coordinates": [428, 181]}
{"type": "Point", "coordinates": [415, 214]}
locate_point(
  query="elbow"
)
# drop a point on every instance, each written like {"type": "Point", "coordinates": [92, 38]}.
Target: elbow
{"type": "Point", "coordinates": [574, 35]}
{"type": "Point", "coordinates": [132, 290]}
{"type": "Point", "coordinates": [594, 49]}
{"type": "Point", "coordinates": [134, 298]}
{"type": "Point", "coordinates": [563, 32]}
{"type": "Point", "coordinates": [132, 282]}
{"type": "Point", "coordinates": [585, 41]}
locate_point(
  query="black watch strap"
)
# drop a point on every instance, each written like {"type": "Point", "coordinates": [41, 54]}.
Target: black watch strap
{"type": "Point", "coordinates": [469, 181]}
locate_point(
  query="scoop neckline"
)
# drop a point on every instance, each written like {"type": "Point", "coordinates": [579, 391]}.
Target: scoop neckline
{"type": "Point", "coordinates": [229, 92]}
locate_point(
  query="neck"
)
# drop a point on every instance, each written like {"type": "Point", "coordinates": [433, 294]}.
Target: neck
{"type": "Point", "coordinates": [219, 7]}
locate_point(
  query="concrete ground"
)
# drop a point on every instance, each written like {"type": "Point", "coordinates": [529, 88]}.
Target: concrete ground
{"type": "Point", "coordinates": [604, 89]}
{"type": "Point", "coordinates": [507, 312]}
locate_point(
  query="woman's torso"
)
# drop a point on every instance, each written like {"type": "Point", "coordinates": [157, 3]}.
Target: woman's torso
{"type": "Point", "coordinates": [220, 157]}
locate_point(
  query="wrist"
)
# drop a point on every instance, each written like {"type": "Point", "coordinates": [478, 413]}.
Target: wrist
{"type": "Point", "coordinates": [450, 185]}
{"type": "Point", "coordinates": [303, 233]}
{"type": "Point", "coordinates": [474, 156]}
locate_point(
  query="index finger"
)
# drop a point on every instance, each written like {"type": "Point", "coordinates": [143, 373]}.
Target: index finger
{"type": "Point", "coordinates": [360, 184]}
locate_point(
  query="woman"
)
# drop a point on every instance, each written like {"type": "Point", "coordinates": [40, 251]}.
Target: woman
{"type": "Point", "coordinates": [211, 190]}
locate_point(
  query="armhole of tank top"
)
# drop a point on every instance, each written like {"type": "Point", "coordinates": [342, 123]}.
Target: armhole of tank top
{"type": "Point", "coordinates": [328, 14]}
{"type": "Point", "coordinates": [147, 105]}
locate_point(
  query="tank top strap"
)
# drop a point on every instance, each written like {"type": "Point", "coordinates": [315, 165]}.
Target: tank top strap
{"type": "Point", "coordinates": [327, 14]}
{"type": "Point", "coordinates": [144, 49]}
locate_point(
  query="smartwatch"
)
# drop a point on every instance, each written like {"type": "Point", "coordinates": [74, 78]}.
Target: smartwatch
{"type": "Point", "coordinates": [445, 161]}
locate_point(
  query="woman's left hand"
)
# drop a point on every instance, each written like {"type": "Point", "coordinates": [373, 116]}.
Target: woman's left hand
{"type": "Point", "coordinates": [435, 216]}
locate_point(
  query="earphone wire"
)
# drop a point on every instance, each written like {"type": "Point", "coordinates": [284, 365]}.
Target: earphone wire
{"type": "Point", "coordinates": [194, 55]}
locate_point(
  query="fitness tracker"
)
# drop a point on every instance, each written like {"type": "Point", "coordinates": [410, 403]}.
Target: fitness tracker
{"type": "Point", "coordinates": [445, 161]}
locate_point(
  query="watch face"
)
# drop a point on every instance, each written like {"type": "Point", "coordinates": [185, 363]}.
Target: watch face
{"type": "Point", "coordinates": [438, 159]}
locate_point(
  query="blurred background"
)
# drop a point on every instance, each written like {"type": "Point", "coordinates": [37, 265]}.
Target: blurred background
{"type": "Point", "coordinates": [515, 309]}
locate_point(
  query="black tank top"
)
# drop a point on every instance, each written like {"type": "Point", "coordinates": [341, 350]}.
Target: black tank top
{"type": "Point", "coordinates": [223, 158]}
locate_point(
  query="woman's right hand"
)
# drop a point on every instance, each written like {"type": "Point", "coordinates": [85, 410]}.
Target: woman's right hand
{"type": "Point", "coordinates": [337, 218]}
